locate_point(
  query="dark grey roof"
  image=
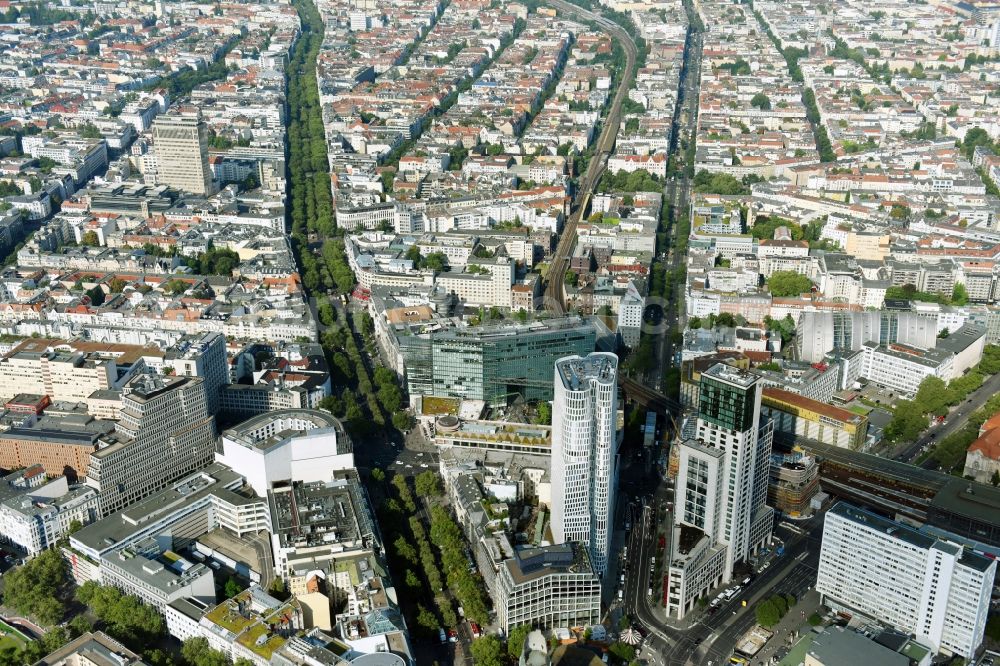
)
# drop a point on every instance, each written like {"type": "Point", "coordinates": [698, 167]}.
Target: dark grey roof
{"type": "Point", "coordinates": [838, 646]}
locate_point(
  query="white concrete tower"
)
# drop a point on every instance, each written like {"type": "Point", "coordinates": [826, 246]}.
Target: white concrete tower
{"type": "Point", "coordinates": [584, 452]}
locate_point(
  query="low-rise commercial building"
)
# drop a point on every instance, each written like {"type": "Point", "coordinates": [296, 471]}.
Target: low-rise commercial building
{"type": "Point", "coordinates": [798, 416]}
{"type": "Point", "coordinates": [550, 586]}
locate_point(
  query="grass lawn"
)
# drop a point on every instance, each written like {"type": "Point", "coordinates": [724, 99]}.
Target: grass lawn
{"type": "Point", "coordinates": [10, 640]}
{"type": "Point", "coordinates": [436, 405]}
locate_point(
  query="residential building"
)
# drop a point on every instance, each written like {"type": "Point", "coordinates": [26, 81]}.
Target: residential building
{"type": "Point", "coordinates": [35, 512]}
{"type": "Point", "coordinates": [934, 589]}
{"type": "Point", "coordinates": [630, 312]}
{"type": "Point", "coordinates": [548, 587]}
{"type": "Point", "coordinates": [70, 370]}
{"type": "Point", "coordinates": [181, 143]}
{"type": "Point", "coordinates": [166, 432]}
{"type": "Point", "coordinates": [252, 625]}
{"type": "Point", "coordinates": [585, 436]}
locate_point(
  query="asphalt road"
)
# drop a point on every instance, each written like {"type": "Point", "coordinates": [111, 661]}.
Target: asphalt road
{"type": "Point", "coordinates": [705, 637]}
{"type": "Point", "coordinates": [554, 292]}
{"type": "Point", "coordinates": [954, 422]}
{"type": "Point", "coordinates": [678, 194]}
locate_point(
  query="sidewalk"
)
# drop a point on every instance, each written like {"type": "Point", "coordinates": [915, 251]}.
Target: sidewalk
{"type": "Point", "coordinates": [791, 627]}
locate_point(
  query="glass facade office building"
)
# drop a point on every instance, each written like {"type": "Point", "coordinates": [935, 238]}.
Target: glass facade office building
{"type": "Point", "coordinates": [494, 363]}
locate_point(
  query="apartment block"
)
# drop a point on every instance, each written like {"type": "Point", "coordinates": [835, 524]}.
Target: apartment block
{"type": "Point", "coordinates": [35, 512]}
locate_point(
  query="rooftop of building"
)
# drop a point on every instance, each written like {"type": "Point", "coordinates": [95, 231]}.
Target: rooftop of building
{"type": "Point", "coordinates": [118, 527]}
{"type": "Point", "coordinates": [146, 386]}
{"type": "Point", "coordinates": [601, 367]}
{"type": "Point", "coordinates": [731, 375]}
{"type": "Point", "coordinates": [512, 435]}
{"type": "Point", "coordinates": [931, 358]}
{"type": "Point", "coordinates": [95, 649]}
{"type": "Point", "coordinates": [327, 512]}
{"type": "Point", "coordinates": [838, 645]}
{"type": "Point", "coordinates": [122, 353]}
{"type": "Point", "coordinates": [776, 395]}
{"type": "Point", "coordinates": [164, 572]}
{"type": "Point", "coordinates": [72, 429]}
{"type": "Point", "coordinates": [962, 339]}
{"type": "Point", "coordinates": [908, 534]}
{"type": "Point", "coordinates": [256, 620]}
{"type": "Point", "coordinates": [529, 564]}
{"type": "Point", "coordinates": [271, 429]}
{"type": "Point", "coordinates": [968, 499]}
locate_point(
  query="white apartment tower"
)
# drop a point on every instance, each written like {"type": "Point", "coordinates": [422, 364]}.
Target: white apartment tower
{"type": "Point", "coordinates": [584, 452]}
{"type": "Point", "coordinates": [933, 589]}
{"type": "Point", "coordinates": [721, 516]}
{"type": "Point", "coordinates": [164, 432]}
{"type": "Point", "coordinates": [181, 143]}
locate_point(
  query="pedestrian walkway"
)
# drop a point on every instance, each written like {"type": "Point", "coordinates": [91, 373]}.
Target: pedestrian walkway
{"type": "Point", "coordinates": [791, 627]}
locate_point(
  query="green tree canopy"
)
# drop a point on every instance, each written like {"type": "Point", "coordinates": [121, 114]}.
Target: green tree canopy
{"type": "Point", "coordinates": [761, 101]}
{"type": "Point", "coordinates": [718, 183]}
{"type": "Point", "coordinates": [908, 421]}
{"type": "Point", "coordinates": [39, 588]}
{"type": "Point", "coordinates": [487, 651]}
{"type": "Point", "coordinates": [515, 640]}
{"type": "Point", "coordinates": [197, 652]}
{"type": "Point", "coordinates": [788, 283]}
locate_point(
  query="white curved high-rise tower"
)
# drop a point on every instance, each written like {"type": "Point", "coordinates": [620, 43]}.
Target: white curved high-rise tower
{"type": "Point", "coordinates": [584, 452]}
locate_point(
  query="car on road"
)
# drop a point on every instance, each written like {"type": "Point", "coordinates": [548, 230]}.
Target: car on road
{"type": "Point", "coordinates": [443, 637]}
{"type": "Point", "coordinates": [452, 636]}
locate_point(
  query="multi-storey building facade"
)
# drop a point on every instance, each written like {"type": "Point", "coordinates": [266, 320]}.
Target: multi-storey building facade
{"type": "Point", "coordinates": [490, 363]}
{"type": "Point", "coordinates": [36, 512]}
{"type": "Point", "coordinates": [585, 452]}
{"type": "Point", "coordinates": [166, 432]}
{"type": "Point", "coordinates": [204, 356]}
{"type": "Point", "coordinates": [798, 416]}
{"type": "Point", "coordinates": [550, 586]}
{"type": "Point", "coordinates": [931, 588]}
{"type": "Point", "coordinates": [181, 143]}
{"type": "Point", "coordinates": [721, 515]}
